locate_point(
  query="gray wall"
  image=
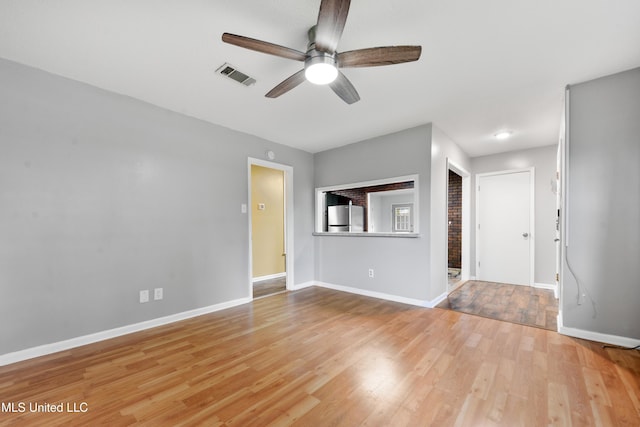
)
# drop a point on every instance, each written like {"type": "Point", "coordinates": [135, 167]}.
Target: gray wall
{"type": "Point", "coordinates": [442, 148]}
{"type": "Point", "coordinates": [544, 161]}
{"type": "Point", "coordinates": [381, 210]}
{"type": "Point", "coordinates": [603, 212]}
{"type": "Point", "coordinates": [401, 264]}
{"type": "Point", "coordinates": [102, 196]}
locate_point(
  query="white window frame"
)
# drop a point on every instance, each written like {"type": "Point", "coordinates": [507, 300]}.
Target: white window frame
{"type": "Point", "coordinates": [394, 217]}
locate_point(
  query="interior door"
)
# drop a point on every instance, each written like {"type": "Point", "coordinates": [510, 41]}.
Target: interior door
{"type": "Point", "coordinates": [504, 227]}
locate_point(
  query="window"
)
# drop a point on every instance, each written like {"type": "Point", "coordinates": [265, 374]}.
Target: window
{"type": "Point", "coordinates": [402, 218]}
{"type": "Point", "coordinates": [363, 208]}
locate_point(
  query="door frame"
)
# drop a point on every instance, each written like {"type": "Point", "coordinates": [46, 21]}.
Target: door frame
{"type": "Point", "coordinates": [288, 219]}
{"type": "Point", "coordinates": [465, 268]}
{"type": "Point", "coordinates": [532, 220]}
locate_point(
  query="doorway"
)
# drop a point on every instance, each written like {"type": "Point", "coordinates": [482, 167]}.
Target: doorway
{"type": "Point", "coordinates": [504, 226]}
{"type": "Point", "coordinates": [458, 222]}
{"type": "Point", "coordinates": [454, 222]}
{"type": "Point", "coordinates": [270, 229]}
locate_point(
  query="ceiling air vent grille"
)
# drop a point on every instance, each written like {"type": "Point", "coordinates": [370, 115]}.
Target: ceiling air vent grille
{"type": "Point", "coordinates": [231, 72]}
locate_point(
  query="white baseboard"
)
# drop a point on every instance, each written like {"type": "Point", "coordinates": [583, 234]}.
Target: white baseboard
{"type": "Point", "coordinates": [438, 299]}
{"type": "Point", "coordinates": [268, 277]}
{"type": "Point", "coordinates": [45, 349]}
{"type": "Point", "coordinates": [381, 295]}
{"type": "Point", "coordinates": [301, 286]}
{"type": "Point", "coordinates": [553, 288]}
{"type": "Point", "coordinates": [596, 336]}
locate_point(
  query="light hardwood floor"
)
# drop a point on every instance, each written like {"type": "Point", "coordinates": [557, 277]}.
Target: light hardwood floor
{"type": "Point", "coordinates": [269, 287]}
{"type": "Point", "coordinates": [319, 357]}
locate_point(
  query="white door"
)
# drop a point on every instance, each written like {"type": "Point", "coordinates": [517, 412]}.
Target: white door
{"type": "Point", "coordinates": [504, 227]}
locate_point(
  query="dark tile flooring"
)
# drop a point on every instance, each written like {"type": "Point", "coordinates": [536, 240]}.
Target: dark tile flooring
{"type": "Point", "coordinates": [525, 305]}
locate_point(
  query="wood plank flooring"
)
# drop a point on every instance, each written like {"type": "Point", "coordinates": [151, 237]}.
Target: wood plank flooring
{"type": "Point", "coordinates": [318, 357]}
{"type": "Point", "coordinates": [269, 287]}
{"type": "Point", "coordinates": [525, 305]}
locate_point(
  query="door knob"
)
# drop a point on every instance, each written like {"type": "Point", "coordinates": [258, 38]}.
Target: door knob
{"type": "Point", "coordinates": [525, 235]}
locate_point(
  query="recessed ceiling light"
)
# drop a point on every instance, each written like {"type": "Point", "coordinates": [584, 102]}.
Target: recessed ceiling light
{"type": "Point", "coordinates": [503, 134]}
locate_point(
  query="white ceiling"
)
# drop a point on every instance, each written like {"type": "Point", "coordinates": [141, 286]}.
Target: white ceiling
{"type": "Point", "coordinates": [485, 65]}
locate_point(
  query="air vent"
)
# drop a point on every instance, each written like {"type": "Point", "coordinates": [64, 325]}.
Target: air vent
{"type": "Point", "coordinates": [231, 72]}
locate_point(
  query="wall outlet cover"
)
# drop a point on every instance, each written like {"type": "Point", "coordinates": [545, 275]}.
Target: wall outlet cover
{"type": "Point", "coordinates": [144, 296]}
{"type": "Point", "coordinates": [157, 294]}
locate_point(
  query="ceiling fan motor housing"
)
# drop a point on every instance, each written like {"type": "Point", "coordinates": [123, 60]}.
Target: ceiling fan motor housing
{"type": "Point", "coordinates": [320, 67]}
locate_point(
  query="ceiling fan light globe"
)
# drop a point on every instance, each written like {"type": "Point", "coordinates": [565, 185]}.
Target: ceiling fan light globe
{"type": "Point", "coordinates": [321, 73]}
{"type": "Point", "coordinates": [320, 67]}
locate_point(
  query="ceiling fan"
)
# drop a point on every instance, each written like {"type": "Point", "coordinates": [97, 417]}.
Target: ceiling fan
{"type": "Point", "coordinates": [321, 60]}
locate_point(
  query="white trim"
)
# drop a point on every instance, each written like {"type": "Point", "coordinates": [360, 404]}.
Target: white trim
{"type": "Point", "coordinates": [596, 336]}
{"type": "Point", "coordinates": [302, 285]}
{"type": "Point", "coordinates": [565, 165]}
{"type": "Point", "coordinates": [364, 234]}
{"type": "Point", "coordinates": [434, 302]}
{"type": "Point", "coordinates": [532, 218]}
{"type": "Point", "coordinates": [564, 204]}
{"type": "Point", "coordinates": [288, 219]}
{"type": "Point", "coordinates": [553, 288]}
{"type": "Point", "coordinates": [371, 183]}
{"type": "Point", "coordinates": [465, 251]}
{"type": "Point", "coordinates": [46, 349]}
{"type": "Point", "coordinates": [269, 277]}
{"type": "Point", "coordinates": [380, 295]}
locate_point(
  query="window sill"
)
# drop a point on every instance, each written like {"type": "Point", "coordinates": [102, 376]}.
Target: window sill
{"type": "Point", "coordinates": [365, 234]}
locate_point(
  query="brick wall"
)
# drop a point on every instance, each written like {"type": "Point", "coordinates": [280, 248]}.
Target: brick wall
{"type": "Point", "coordinates": [358, 196]}
{"type": "Point", "coordinates": [455, 219]}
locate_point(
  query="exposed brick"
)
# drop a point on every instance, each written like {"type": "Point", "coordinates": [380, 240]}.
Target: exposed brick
{"type": "Point", "coordinates": [455, 218]}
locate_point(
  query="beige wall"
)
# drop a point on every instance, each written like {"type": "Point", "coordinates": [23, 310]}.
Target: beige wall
{"type": "Point", "coordinates": [267, 187]}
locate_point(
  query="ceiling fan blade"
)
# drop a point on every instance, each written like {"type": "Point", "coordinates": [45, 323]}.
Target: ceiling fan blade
{"type": "Point", "coordinates": [286, 85]}
{"type": "Point", "coordinates": [344, 89]}
{"type": "Point", "coordinates": [375, 56]}
{"type": "Point", "coordinates": [331, 20]}
{"type": "Point", "coordinates": [264, 47]}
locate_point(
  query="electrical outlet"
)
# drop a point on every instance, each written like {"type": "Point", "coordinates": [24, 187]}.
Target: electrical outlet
{"type": "Point", "coordinates": [144, 296]}
{"type": "Point", "coordinates": [371, 274]}
{"type": "Point", "coordinates": [157, 294]}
